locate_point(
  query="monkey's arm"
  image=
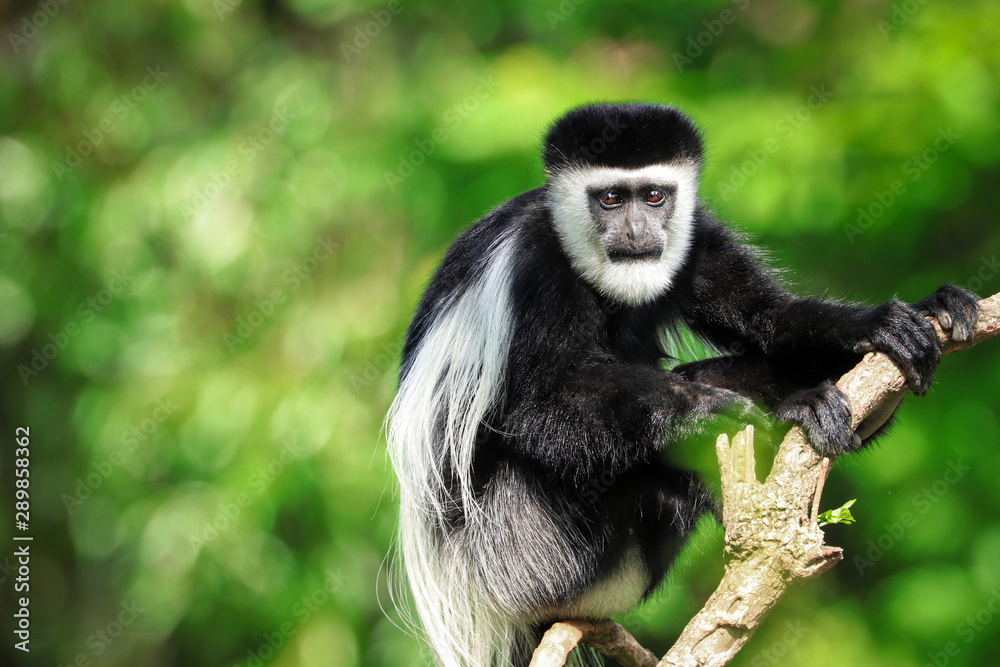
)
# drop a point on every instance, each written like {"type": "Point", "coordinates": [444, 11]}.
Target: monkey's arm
{"type": "Point", "coordinates": [608, 415]}
{"type": "Point", "coordinates": [790, 349]}
{"type": "Point", "coordinates": [730, 297]}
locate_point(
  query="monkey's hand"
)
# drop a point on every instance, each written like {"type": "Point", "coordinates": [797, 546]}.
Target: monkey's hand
{"type": "Point", "coordinates": [902, 332]}
{"type": "Point", "coordinates": [955, 309]}
{"type": "Point", "coordinates": [825, 414]}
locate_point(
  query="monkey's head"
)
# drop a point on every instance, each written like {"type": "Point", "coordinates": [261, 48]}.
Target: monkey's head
{"type": "Point", "coordinates": [623, 182]}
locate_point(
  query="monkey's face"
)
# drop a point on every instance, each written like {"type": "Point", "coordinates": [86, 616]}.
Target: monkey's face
{"type": "Point", "coordinates": [631, 219]}
{"type": "Point", "coordinates": [626, 231]}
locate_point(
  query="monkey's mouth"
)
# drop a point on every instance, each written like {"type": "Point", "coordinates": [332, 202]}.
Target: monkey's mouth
{"type": "Point", "coordinates": [623, 255]}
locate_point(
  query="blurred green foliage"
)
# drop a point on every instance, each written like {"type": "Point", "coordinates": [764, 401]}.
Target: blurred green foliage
{"type": "Point", "coordinates": [216, 219]}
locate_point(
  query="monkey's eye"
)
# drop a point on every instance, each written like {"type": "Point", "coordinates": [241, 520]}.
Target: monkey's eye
{"type": "Point", "coordinates": [611, 199]}
{"type": "Point", "coordinates": [655, 197]}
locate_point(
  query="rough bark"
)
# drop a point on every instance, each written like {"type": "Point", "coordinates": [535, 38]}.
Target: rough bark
{"type": "Point", "coordinates": [772, 536]}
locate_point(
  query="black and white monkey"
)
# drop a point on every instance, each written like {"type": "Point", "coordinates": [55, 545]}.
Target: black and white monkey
{"type": "Point", "coordinates": [535, 363]}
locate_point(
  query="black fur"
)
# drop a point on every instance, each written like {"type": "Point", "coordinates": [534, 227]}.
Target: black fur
{"type": "Point", "coordinates": [587, 405]}
{"type": "Point", "coordinates": [621, 135]}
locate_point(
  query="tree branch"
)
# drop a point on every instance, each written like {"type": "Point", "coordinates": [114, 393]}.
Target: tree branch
{"type": "Point", "coordinates": [606, 636]}
{"type": "Point", "coordinates": [772, 536]}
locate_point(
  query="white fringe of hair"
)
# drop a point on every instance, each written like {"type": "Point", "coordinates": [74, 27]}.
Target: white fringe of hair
{"type": "Point", "coordinates": [631, 282]}
{"type": "Point", "coordinates": [456, 377]}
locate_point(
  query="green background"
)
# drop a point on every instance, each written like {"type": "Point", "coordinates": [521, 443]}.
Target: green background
{"type": "Point", "coordinates": [205, 274]}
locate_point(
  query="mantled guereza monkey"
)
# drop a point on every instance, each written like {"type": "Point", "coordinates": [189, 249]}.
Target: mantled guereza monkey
{"type": "Point", "coordinates": [535, 364]}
